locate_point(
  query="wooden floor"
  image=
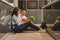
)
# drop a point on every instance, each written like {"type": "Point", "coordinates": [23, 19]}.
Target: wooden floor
{"type": "Point", "coordinates": [2, 34]}
{"type": "Point", "coordinates": [28, 35]}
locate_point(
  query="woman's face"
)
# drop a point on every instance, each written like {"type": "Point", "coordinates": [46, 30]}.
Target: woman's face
{"type": "Point", "coordinates": [18, 11]}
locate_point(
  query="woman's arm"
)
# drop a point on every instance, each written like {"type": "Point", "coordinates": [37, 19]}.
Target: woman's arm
{"type": "Point", "coordinates": [17, 20]}
{"type": "Point", "coordinates": [22, 22]}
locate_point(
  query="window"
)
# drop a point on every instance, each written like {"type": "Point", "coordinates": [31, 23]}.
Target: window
{"type": "Point", "coordinates": [22, 4]}
{"type": "Point", "coordinates": [10, 1]}
{"type": "Point", "coordinates": [32, 4]}
{"type": "Point", "coordinates": [40, 4]}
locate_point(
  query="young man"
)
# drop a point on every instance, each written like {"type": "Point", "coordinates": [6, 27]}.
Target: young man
{"type": "Point", "coordinates": [25, 21]}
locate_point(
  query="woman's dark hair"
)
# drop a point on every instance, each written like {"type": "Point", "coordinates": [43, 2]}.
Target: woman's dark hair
{"type": "Point", "coordinates": [15, 11]}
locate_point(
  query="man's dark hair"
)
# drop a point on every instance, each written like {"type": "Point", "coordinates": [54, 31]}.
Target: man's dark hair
{"type": "Point", "coordinates": [23, 9]}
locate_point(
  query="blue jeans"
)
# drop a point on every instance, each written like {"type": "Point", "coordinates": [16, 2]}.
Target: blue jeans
{"type": "Point", "coordinates": [23, 27]}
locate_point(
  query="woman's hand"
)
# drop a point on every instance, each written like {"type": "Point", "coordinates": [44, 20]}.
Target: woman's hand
{"type": "Point", "coordinates": [22, 22]}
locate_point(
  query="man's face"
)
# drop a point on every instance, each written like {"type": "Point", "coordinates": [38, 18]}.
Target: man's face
{"type": "Point", "coordinates": [23, 12]}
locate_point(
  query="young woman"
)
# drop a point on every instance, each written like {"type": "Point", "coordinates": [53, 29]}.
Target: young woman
{"type": "Point", "coordinates": [21, 21]}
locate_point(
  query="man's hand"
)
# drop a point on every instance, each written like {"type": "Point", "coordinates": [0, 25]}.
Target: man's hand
{"type": "Point", "coordinates": [27, 20]}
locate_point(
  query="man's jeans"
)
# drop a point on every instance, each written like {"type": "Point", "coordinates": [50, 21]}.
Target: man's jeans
{"type": "Point", "coordinates": [23, 27]}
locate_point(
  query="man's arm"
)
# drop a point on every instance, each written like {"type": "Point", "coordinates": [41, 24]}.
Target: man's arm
{"type": "Point", "coordinates": [27, 20]}
{"type": "Point", "coordinates": [24, 21]}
